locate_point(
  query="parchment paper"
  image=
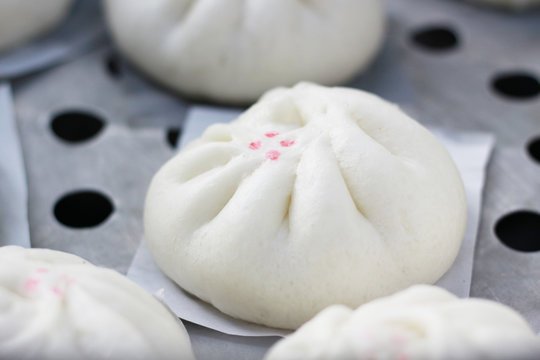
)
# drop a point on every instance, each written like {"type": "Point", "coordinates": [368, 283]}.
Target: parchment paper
{"type": "Point", "coordinates": [14, 229]}
{"type": "Point", "coordinates": [471, 153]}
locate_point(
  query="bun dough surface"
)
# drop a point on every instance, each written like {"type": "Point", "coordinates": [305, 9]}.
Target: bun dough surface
{"type": "Point", "coordinates": [234, 50]}
{"type": "Point", "coordinates": [422, 322]}
{"type": "Point", "coordinates": [57, 306]}
{"type": "Point", "coordinates": [22, 20]}
{"type": "Point", "coordinates": [315, 196]}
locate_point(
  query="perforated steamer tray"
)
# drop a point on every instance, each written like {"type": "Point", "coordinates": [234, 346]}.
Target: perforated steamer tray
{"type": "Point", "coordinates": [456, 65]}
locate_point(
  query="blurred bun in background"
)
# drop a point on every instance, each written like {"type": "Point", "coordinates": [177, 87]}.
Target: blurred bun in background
{"type": "Point", "coordinates": [233, 51]}
{"type": "Point", "coordinates": [24, 20]}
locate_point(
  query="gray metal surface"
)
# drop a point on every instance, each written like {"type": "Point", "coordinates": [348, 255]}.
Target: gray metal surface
{"type": "Point", "coordinates": [447, 88]}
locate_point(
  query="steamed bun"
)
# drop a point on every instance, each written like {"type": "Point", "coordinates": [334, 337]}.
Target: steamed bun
{"type": "Point", "coordinates": [315, 196]}
{"type": "Point", "coordinates": [56, 306]}
{"type": "Point", "coordinates": [422, 322]}
{"type": "Point", "coordinates": [22, 20]}
{"type": "Point", "coordinates": [234, 50]}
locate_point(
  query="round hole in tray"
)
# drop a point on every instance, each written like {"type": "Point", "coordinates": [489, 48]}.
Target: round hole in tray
{"type": "Point", "coordinates": [516, 85]}
{"type": "Point", "coordinates": [534, 149]}
{"type": "Point", "coordinates": [173, 134]}
{"type": "Point", "coordinates": [83, 209]}
{"type": "Point", "coordinates": [76, 126]}
{"type": "Point", "coordinates": [112, 65]}
{"type": "Point", "coordinates": [435, 38]}
{"type": "Point", "coordinates": [520, 230]}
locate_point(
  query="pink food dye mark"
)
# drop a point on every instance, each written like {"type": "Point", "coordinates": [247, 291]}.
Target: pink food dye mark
{"type": "Point", "coordinates": [42, 270]}
{"type": "Point", "coordinates": [57, 291]}
{"type": "Point", "coordinates": [287, 143]}
{"type": "Point", "coordinates": [255, 145]}
{"type": "Point", "coordinates": [271, 134]}
{"type": "Point", "coordinates": [31, 284]}
{"type": "Point", "coordinates": [273, 155]}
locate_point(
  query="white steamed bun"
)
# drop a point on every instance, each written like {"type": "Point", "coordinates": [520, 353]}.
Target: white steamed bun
{"type": "Point", "coordinates": [314, 196]}
{"type": "Point", "coordinates": [420, 323]}
{"type": "Point", "coordinates": [513, 4]}
{"type": "Point", "coordinates": [22, 20]}
{"type": "Point", "coordinates": [234, 50]}
{"type": "Point", "coordinates": [56, 306]}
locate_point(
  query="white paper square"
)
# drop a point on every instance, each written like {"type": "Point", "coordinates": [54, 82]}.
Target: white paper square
{"type": "Point", "coordinates": [14, 229]}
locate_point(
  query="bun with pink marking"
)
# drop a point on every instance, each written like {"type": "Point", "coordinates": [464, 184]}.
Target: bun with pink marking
{"type": "Point", "coordinates": [420, 323]}
{"type": "Point", "coordinates": [343, 199]}
{"type": "Point", "coordinates": [57, 306]}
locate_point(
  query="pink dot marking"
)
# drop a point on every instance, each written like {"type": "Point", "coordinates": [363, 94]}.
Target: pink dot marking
{"type": "Point", "coordinates": [57, 291]}
{"type": "Point", "coordinates": [255, 145]}
{"type": "Point", "coordinates": [42, 270]}
{"type": "Point", "coordinates": [31, 284]}
{"type": "Point", "coordinates": [273, 155]}
{"type": "Point", "coordinates": [287, 143]}
{"type": "Point", "coordinates": [271, 134]}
